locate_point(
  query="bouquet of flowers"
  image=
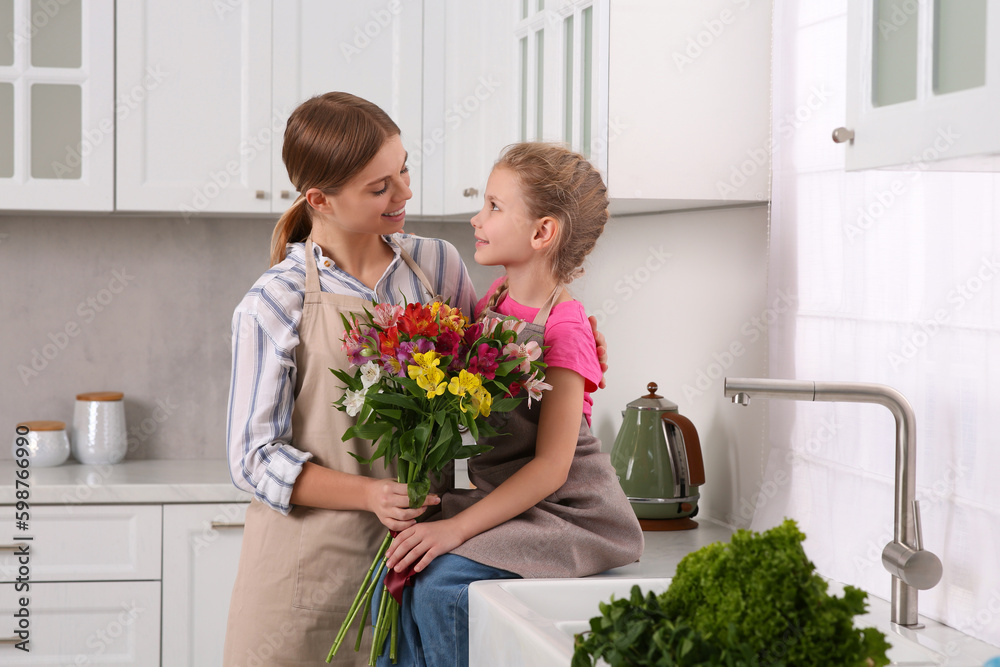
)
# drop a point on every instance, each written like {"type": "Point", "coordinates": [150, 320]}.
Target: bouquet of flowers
{"type": "Point", "coordinates": [425, 373]}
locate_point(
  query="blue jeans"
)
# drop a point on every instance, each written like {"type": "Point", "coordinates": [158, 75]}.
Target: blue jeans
{"type": "Point", "coordinates": [434, 616]}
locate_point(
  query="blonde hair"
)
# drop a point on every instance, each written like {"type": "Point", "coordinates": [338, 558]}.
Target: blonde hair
{"type": "Point", "coordinates": [556, 182]}
{"type": "Point", "coordinates": [328, 140]}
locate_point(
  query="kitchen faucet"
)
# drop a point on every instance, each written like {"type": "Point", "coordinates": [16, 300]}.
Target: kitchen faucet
{"type": "Point", "coordinates": [911, 566]}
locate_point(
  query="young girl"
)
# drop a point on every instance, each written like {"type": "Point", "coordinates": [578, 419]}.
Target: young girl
{"type": "Point", "coordinates": [547, 502]}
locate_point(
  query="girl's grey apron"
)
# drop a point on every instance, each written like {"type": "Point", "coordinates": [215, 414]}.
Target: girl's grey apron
{"type": "Point", "coordinates": [585, 527]}
{"type": "Point", "coordinates": [298, 574]}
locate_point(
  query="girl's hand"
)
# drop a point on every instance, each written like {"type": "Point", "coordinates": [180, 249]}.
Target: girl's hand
{"type": "Point", "coordinates": [388, 501]}
{"type": "Point", "coordinates": [424, 541]}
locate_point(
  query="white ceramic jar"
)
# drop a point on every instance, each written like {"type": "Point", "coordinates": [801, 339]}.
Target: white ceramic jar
{"type": "Point", "coordinates": [46, 443]}
{"type": "Point", "coordinates": [99, 435]}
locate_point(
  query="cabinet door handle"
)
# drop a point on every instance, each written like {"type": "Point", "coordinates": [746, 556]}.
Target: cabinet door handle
{"type": "Point", "coordinates": [10, 547]}
{"type": "Point", "coordinates": [9, 640]}
{"type": "Point", "coordinates": [227, 524]}
{"type": "Point", "coordinates": [260, 194]}
{"type": "Point", "coordinates": [842, 134]}
{"type": "Point", "coordinates": [470, 192]}
{"type": "Point", "coordinates": [285, 194]}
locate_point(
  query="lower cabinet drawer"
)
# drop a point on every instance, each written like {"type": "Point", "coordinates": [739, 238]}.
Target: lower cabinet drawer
{"type": "Point", "coordinates": [83, 623]}
{"type": "Point", "coordinates": [86, 543]}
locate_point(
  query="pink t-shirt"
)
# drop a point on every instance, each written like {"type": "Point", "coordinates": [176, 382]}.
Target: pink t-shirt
{"type": "Point", "coordinates": [568, 337]}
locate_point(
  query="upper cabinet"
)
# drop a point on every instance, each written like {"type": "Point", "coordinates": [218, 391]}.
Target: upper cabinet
{"type": "Point", "coordinates": [468, 97]}
{"type": "Point", "coordinates": [57, 111]}
{"type": "Point", "coordinates": [669, 99]}
{"type": "Point", "coordinates": [923, 85]}
{"type": "Point", "coordinates": [218, 81]}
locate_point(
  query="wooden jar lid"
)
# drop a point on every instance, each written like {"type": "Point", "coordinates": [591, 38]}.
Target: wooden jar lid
{"type": "Point", "coordinates": [43, 426]}
{"type": "Point", "coordinates": [101, 396]}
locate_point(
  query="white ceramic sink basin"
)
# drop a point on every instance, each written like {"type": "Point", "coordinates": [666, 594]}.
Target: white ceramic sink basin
{"type": "Point", "coordinates": [531, 622]}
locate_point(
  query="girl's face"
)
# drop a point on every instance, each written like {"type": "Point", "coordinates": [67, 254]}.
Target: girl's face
{"type": "Point", "coordinates": [503, 228]}
{"type": "Point", "coordinates": [374, 201]}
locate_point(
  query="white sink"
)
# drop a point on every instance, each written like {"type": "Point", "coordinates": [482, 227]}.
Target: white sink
{"type": "Point", "coordinates": [531, 622]}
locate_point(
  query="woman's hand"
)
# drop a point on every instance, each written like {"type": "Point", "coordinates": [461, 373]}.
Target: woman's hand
{"type": "Point", "coordinates": [388, 501]}
{"type": "Point", "coordinates": [602, 349]}
{"type": "Point", "coordinates": [424, 541]}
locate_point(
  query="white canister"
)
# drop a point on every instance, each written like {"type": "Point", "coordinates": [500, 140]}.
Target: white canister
{"type": "Point", "coordinates": [45, 442]}
{"type": "Point", "coordinates": [99, 435]}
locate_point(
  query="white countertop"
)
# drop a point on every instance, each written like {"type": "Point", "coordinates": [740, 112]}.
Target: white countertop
{"type": "Point", "coordinates": [152, 481]}
{"type": "Point", "coordinates": [665, 548]}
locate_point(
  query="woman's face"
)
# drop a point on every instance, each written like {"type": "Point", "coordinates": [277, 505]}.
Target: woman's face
{"type": "Point", "coordinates": [374, 201]}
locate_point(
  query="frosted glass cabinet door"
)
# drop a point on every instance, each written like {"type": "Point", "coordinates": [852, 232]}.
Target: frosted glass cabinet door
{"type": "Point", "coordinates": [57, 119]}
{"type": "Point", "coordinates": [201, 550]}
{"type": "Point", "coordinates": [193, 103]}
{"type": "Point", "coordinates": [923, 85]}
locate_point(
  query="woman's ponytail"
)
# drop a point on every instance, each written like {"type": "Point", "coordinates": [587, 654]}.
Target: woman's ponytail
{"type": "Point", "coordinates": [293, 226]}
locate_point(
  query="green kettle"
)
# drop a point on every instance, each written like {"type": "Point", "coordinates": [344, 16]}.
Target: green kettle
{"type": "Point", "coordinates": [657, 456]}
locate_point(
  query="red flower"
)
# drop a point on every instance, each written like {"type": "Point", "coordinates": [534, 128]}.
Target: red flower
{"type": "Point", "coordinates": [418, 321]}
{"type": "Point", "coordinates": [388, 341]}
{"type": "Point", "coordinates": [515, 389]}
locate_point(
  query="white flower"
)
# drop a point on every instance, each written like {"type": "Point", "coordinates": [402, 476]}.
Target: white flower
{"type": "Point", "coordinates": [387, 314]}
{"type": "Point", "coordinates": [370, 374]}
{"type": "Point", "coordinates": [355, 400]}
{"type": "Point", "coordinates": [514, 324]}
{"type": "Point", "coordinates": [535, 387]}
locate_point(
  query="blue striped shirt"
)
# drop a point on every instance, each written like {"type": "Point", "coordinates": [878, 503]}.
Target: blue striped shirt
{"type": "Point", "coordinates": [262, 457]}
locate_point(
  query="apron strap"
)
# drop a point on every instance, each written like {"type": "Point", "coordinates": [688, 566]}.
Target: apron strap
{"type": "Point", "coordinates": [312, 273]}
{"type": "Point", "coordinates": [543, 313]}
{"type": "Point", "coordinates": [419, 273]}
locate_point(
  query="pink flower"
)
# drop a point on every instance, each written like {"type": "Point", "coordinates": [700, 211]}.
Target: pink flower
{"type": "Point", "coordinates": [535, 387]}
{"type": "Point", "coordinates": [514, 324]}
{"type": "Point", "coordinates": [526, 352]}
{"type": "Point", "coordinates": [485, 363]}
{"type": "Point", "coordinates": [386, 315]}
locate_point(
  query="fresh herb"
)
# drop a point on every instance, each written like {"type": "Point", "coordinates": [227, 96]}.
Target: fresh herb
{"type": "Point", "coordinates": [756, 600]}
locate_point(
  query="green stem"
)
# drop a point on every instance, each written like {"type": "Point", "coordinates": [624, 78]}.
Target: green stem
{"type": "Point", "coordinates": [379, 639]}
{"type": "Point", "coordinates": [367, 608]}
{"type": "Point", "coordinates": [395, 633]}
{"type": "Point", "coordinates": [352, 613]}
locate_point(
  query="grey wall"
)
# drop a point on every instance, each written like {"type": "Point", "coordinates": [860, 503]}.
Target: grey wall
{"type": "Point", "coordinates": [143, 306]}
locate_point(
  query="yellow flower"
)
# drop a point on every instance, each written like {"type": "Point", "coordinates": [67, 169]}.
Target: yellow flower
{"type": "Point", "coordinates": [464, 383]}
{"type": "Point", "coordinates": [427, 374]}
{"type": "Point", "coordinates": [449, 317]}
{"type": "Point", "coordinates": [482, 400]}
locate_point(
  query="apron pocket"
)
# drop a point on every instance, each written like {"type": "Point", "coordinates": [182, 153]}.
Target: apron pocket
{"type": "Point", "coordinates": [335, 549]}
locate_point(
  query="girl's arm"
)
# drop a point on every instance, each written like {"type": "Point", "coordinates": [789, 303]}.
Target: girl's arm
{"type": "Point", "coordinates": [558, 430]}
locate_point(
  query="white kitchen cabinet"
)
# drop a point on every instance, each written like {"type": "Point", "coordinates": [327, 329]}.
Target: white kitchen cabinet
{"type": "Point", "coordinates": [195, 122]}
{"type": "Point", "coordinates": [923, 85]}
{"type": "Point", "coordinates": [370, 49]}
{"type": "Point", "coordinates": [688, 86]}
{"type": "Point", "coordinates": [217, 82]}
{"type": "Point", "coordinates": [84, 623]}
{"type": "Point", "coordinates": [57, 116]}
{"type": "Point", "coordinates": [469, 92]}
{"type": "Point", "coordinates": [201, 549]}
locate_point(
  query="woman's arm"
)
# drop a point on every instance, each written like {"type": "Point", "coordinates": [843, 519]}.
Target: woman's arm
{"type": "Point", "coordinates": [558, 430]}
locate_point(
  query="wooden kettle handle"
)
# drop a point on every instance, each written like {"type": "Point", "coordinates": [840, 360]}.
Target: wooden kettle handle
{"type": "Point", "coordinates": [692, 446]}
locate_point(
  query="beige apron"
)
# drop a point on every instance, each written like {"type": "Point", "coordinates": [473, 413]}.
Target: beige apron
{"type": "Point", "coordinates": [585, 527]}
{"type": "Point", "coordinates": [298, 574]}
